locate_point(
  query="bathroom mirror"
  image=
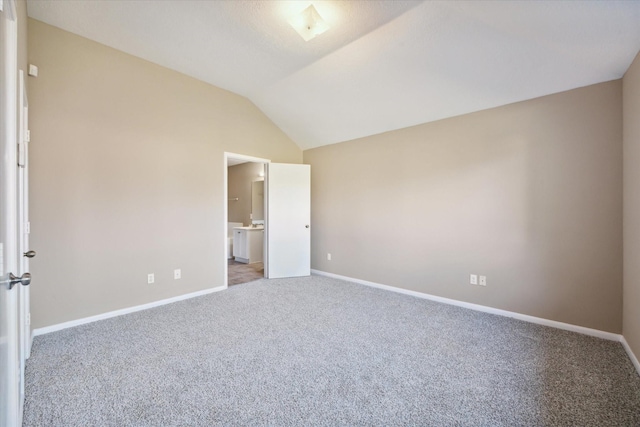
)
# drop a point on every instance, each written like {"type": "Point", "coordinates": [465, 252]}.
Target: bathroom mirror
{"type": "Point", "coordinates": [257, 201]}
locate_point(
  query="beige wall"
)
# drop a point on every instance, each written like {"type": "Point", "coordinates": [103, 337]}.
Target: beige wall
{"type": "Point", "coordinates": [239, 183]}
{"type": "Point", "coordinates": [631, 137]}
{"type": "Point", "coordinates": [127, 176]}
{"type": "Point", "coordinates": [528, 194]}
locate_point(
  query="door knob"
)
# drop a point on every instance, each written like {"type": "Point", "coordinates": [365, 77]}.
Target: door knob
{"type": "Point", "coordinates": [29, 254]}
{"type": "Point", "coordinates": [25, 280]}
{"type": "Point", "coordinates": [306, 226]}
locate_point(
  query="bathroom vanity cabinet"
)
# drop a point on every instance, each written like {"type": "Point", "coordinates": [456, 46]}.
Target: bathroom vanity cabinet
{"type": "Point", "coordinates": [248, 244]}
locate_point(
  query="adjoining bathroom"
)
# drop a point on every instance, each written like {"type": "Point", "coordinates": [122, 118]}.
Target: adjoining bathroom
{"type": "Point", "coordinates": [245, 228]}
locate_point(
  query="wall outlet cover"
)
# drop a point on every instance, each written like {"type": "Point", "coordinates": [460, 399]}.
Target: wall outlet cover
{"type": "Point", "coordinates": [151, 278]}
{"type": "Point", "coordinates": [483, 280]}
{"type": "Point", "coordinates": [473, 279]}
{"type": "Point", "coordinates": [177, 274]}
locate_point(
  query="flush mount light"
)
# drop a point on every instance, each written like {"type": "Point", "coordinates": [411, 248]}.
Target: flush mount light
{"type": "Point", "coordinates": [308, 23]}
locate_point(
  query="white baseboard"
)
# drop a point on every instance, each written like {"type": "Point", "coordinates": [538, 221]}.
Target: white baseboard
{"type": "Point", "coordinates": [630, 353]}
{"type": "Point", "coordinates": [532, 319]}
{"type": "Point", "coordinates": [78, 322]}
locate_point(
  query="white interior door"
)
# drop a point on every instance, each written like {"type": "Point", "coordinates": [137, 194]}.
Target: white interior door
{"type": "Point", "coordinates": [24, 317]}
{"type": "Point", "coordinates": [9, 336]}
{"type": "Point", "coordinates": [288, 220]}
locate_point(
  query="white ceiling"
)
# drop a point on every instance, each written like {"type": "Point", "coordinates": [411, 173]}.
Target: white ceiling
{"type": "Point", "coordinates": [383, 65]}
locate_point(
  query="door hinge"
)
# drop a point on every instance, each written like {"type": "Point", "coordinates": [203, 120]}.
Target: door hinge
{"type": "Point", "coordinates": [21, 154]}
{"type": "Point", "coordinates": [27, 227]}
{"type": "Point", "coordinates": [28, 319]}
{"type": "Point", "coordinates": [27, 135]}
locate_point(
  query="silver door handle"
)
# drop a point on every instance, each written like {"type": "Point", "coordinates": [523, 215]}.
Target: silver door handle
{"type": "Point", "coordinates": [25, 280]}
{"type": "Point", "coordinates": [29, 254]}
{"type": "Point", "coordinates": [306, 226]}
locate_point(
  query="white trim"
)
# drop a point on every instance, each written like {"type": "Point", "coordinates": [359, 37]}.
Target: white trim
{"type": "Point", "coordinates": [11, 11]}
{"type": "Point", "coordinates": [115, 313]}
{"type": "Point", "coordinates": [225, 192]}
{"type": "Point", "coordinates": [532, 319]}
{"type": "Point", "coordinates": [245, 158]}
{"type": "Point", "coordinates": [630, 353]}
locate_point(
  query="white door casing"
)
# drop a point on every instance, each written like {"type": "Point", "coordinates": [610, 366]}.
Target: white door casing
{"type": "Point", "coordinates": [23, 228]}
{"type": "Point", "coordinates": [9, 330]}
{"type": "Point", "coordinates": [288, 188]}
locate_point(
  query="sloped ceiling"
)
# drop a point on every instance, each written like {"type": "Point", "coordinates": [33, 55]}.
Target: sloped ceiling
{"type": "Point", "coordinates": [383, 65]}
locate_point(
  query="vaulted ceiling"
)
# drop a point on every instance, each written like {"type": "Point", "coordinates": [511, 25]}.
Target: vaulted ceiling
{"type": "Point", "coordinates": [382, 65]}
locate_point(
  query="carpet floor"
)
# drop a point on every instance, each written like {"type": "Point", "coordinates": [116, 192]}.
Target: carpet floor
{"type": "Point", "coordinates": [316, 351]}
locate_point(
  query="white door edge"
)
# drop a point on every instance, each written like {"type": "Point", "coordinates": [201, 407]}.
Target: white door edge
{"type": "Point", "coordinates": [23, 239]}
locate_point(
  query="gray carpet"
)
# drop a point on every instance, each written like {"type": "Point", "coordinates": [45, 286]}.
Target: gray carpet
{"type": "Point", "coordinates": [318, 351]}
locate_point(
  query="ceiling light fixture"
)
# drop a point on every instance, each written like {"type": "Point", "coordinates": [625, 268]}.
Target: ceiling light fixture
{"type": "Point", "coordinates": [308, 23]}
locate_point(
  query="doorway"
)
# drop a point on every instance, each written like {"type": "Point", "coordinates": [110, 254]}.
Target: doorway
{"type": "Point", "coordinates": [246, 226]}
{"type": "Point", "coordinates": [285, 229]}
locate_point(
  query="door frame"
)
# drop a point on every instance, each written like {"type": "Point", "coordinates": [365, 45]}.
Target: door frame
{"type": "Point", "coordinates": [251, 159]}
{"type": "Point", "coordinates": [23, 228]}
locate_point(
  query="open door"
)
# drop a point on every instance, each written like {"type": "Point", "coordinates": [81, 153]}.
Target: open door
{"type": "Point", "coordinates": [9, 284]}
{"type": "Point", "coordinates": [288, 219]}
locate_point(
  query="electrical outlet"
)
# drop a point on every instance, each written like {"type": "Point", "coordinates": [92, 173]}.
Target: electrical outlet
{"type": "Point", "coordinates": [483, 280]}
{"type": "Point", "coordinates": [151, 278]}
{"type": "Point", "coordinates": [473, 279]}
{"type": "Point", "coordinates": [177, 274]}
{"type": "Point", "coordinates": [328, 257]}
